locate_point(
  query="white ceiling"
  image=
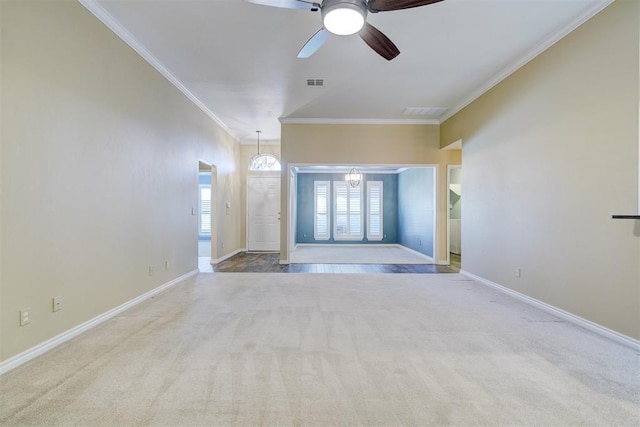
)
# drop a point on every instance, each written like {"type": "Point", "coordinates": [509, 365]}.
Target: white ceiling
{"type": "Point", "coordinates": [238, 59]}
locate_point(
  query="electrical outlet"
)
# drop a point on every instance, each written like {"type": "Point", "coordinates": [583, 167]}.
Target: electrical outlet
{"type": "Point", "coordinates": [150, 271]}
{"type": "Point", "coordinates": [24, 317]}
{"type": "Point", "coordinates": [222, 245]}
{"type": "Point", "coordinates": [166, 265]}
{"type": "Point", "coordinates": [57, 303]}
{"type": "Point", "coordinates": [518, 272]}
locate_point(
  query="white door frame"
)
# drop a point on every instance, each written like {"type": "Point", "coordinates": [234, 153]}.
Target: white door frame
{"type": "Point", "coordinates": [291, 213]}
{"type": "Point", "coordinates": [214, 213]}
{"type": "Point", "coordinates": [204, 167]}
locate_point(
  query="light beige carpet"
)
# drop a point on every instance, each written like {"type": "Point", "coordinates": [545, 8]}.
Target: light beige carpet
{"type": "Point", "coordinates": [328, 349]}
{"type": "Point", "coordinates": [351, 254]}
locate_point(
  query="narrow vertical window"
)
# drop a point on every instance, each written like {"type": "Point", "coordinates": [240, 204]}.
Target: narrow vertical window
{"type": "Point", "coordinates": [321, 210]}
{"type": "Point", "coordinates": [347, 211]}
{"type": "Point", "coordinates": [374, 210]}
{"type": "Point", "coordinates": [205, 210]}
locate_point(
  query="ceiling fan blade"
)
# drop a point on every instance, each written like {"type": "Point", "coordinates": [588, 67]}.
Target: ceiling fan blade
{"type": "Point", "coordinates": [287, 4]}
{"type": "Point", "coordinates": [379, 42]}
{"type": "Point", "coordinates": [314, 43]}
{"type": "Point", "coordinates": [388, 5]}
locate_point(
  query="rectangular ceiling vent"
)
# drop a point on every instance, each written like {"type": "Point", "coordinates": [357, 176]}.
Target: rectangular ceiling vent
{"type": "Point", "coordinates": [425, 111]}
{"type": "Point", "coordinates": [315, 82]}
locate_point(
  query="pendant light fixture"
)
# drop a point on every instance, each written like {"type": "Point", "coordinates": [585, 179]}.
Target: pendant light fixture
{"type": "Point", "coordinates": [254, 161]}
{"type": "Point", "coordinates": [354, 177]}
{"type": "Point", "coordinates": [263, 162]}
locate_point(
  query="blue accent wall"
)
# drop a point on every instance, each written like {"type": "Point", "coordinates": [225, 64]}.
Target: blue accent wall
{"type": "Point", "coordinates": [416, 210]}
{"type": "Point", "coordinates": [203, 178]}
{"type": "Point", "coordinates": [304, 214]}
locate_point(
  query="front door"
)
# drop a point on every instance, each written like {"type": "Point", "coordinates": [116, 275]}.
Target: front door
{"type": "Point", "coordinates": [263, 213]}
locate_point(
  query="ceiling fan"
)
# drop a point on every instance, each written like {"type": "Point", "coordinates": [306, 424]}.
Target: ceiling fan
{"type": "Point", "coordinates": [346, 17]}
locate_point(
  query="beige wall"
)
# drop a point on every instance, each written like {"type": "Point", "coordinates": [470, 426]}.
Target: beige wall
{"type": "Point", "coordinates": [246, 152]}
{"type": "Point", "coordinates": [1, 174]}
{"type": "Point", "coordinates": [363, 145]}
{"type": "Point", "coordinates": [548, 155]}
{"type": "Point", "coordinates": [98, 170]}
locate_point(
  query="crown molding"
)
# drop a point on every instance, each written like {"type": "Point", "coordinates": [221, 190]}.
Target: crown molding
{"type": "Point", "coordinates": [309, 121]}
{"type": "Point", "coordinates": [347, 169]}
{"type": "Point", "coordinates": [99, 12]}
{"type": "Point", "coordinates": [516, 65]}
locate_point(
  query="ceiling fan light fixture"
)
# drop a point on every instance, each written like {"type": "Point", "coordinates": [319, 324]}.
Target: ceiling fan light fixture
{"type": "Point", "coordinates": [343, 17]}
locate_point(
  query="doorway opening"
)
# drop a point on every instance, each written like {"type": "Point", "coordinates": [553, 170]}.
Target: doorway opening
{"type": "Point", "coordinates": [207, 215]}
{"type": "Point", "coordinates": [454, 219]}
{"type": "Point", "coordinates": [389, 215]}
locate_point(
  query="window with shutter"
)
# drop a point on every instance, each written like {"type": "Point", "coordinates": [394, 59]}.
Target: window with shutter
{"type": "Point", "coordinates": [347, 211]}
{"type": "Point", "coordinates": [205, 210]}
{"type": "Point", "coordinates": [321, 210]}
{"type": "Point", "coordinates": [374, 205]}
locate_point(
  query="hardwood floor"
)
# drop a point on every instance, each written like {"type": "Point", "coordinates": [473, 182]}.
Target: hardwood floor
{"type": "Point", "coordinates": [270, 263]}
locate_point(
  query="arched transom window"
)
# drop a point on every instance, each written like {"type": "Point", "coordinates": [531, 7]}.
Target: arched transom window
{"type": "Point", "coordinates": [264, 162]}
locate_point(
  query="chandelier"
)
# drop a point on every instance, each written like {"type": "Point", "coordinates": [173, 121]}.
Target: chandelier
{"type": "Point", "coordinates": [354, 177]}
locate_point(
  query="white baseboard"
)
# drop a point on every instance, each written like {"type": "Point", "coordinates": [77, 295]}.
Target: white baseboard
{"type": "Point", "coordinates": [426, 257]}
{"type": "Point", "coordinates": [42, 348]}
{"type": "Point", "coordinates": [577, 320]}
{"type": "Point", "coordinates": [227, 256]}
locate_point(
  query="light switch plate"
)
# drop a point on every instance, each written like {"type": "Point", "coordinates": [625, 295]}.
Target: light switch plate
{"type": "Point", "coordinates": [57, 303]}
{"type": "Point", "coordinates": [24, 317]}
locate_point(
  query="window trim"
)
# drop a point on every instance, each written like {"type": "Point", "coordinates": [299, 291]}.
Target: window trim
{"type": "Point", "coordinates": [370, 186]}
{"type": "Point", "coordinates": [316, 235]}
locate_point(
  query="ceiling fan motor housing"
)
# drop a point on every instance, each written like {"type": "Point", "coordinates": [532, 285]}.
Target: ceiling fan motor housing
{"type": "Point", "coordinates": [333, 12]}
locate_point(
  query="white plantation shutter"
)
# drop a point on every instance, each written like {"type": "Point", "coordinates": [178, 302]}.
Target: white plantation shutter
{"type": "Point", "coordinates": [355, 211]}
{"type": "Point", "coordinates": [341, 209]}
{"type": "Point", "coordinates": [321, 210]}
{"type": "Point", "coordinates": [205, 209]}
{"type": "Point", "coordinates": [347, 211]}
{"type": "Point", "coordinates": [374, 204]}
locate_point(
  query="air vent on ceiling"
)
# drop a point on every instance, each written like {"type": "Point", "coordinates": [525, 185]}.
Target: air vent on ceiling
{"type": "Point", "coordinates": [315, 82]}
{"type": "Point", "coordinates": [425, 111]}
